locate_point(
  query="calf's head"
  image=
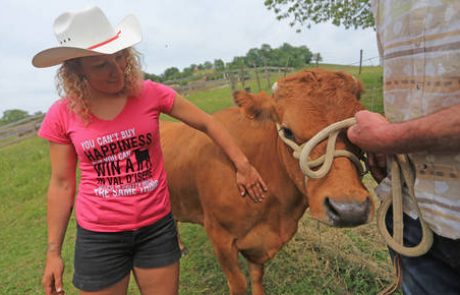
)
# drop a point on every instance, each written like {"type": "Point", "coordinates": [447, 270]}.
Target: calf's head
{"type": "Point", "coordinates": [302, 105]}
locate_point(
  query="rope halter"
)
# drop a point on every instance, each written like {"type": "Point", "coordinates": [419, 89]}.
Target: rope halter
{"type": "Point", "coordinates": [302, 152]}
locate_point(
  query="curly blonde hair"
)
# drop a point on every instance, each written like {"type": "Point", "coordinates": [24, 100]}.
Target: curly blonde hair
{"type": "Point", "coordinates": [71, 86]}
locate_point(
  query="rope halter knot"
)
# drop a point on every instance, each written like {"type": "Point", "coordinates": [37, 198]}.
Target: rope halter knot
{"type": "Point", "coordinates": [302, 152]}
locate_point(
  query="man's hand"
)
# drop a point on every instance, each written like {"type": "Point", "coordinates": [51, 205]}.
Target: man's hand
{"type": "Point", "coordinates": [370, 132]}
{"type": "Point", "coordinates": [377, 165]}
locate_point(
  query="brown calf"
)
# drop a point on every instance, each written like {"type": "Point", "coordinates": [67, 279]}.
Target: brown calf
{"type": "Point", "coordinates": [202, 180]}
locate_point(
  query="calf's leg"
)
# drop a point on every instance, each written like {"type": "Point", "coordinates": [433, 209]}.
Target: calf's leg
{"type": "Point", "coordinates": [256, 271]}
{"type": "Point", "coordinates": [182, 247]}
{"type": "Point", "coordinates": [227, 255]}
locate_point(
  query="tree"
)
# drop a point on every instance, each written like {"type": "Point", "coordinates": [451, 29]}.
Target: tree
{"type": "Point", "coordinates": [208, 65]}
{"type": "Point", "coordinates": [349, 13]}
{"type": "Point", "coordinates": [292, 56]}
{"type": "Point", "coordinates": [285, 55]}
{"type": "Point", "coordinates": [171, 73]}
{"type": "Point", "coordinates": [153, 77]}
{"type": "Point", "coordinates": [219, 65]}
{"type": "Point", "coordinates": [13, 115]}
{"type": "Point", "coordinates": [254, 58]}
{"type": "Point", "coordinates": [317, 58]}
{"type": "Point", "coordinates": [188, 72]}
{"type": "Point", "coordinates": [266, 54]}
{"type": "Point", "coordinates": [237, 62]}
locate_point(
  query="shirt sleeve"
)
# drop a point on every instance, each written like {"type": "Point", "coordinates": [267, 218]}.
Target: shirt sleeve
{"type": "Point", "coordinates": [53, 127]}
{"type": "Point", "coordinates": [376, 11]}
{"type": "Point", "coordinates": [164, 95]}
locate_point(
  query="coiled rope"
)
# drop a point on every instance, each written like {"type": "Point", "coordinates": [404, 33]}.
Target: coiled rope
{"type": "Point", "coordinates": [302, 152]}
{"type": "Point", "coordinates": [402, 176]}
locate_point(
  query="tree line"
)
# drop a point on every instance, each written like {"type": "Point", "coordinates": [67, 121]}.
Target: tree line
{"type": "Point", "coordinates": [284, 56]}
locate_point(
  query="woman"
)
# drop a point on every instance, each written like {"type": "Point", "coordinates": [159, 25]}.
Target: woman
{"type": "Point", "coordinates": [107, 121]}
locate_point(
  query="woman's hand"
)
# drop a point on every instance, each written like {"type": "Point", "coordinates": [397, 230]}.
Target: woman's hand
{"type": "Point", "coordinates": [250, 183]}
{"type": "Point", "coordinates": [52, 277]}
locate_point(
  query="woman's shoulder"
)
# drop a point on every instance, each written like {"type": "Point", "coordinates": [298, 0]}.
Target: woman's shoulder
{"type": "Point", "coordinates": [61, 110]}
{"type": "Point", "coordinates": [150, 86]}
{"type": "Point", "coordinates": [157, 95]}
{"type": "Point", "coordinates": [61, 105]}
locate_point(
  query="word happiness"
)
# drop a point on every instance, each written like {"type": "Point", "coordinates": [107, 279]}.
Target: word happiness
{"type": "Point", "coordinates": [113, 144]}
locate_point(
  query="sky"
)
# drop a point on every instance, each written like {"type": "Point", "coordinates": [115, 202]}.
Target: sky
{"type": "Point", "coordinates": [175, 34]}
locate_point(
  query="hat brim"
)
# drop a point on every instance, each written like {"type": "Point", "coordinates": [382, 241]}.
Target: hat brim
{"type": "Point", "coordinates": [130, 34]}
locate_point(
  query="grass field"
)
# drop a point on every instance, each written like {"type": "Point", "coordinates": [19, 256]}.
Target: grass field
{"type": "Point", "coordinates": [319, 259]}
{"type": "Point", "coordinates": [371, 77]}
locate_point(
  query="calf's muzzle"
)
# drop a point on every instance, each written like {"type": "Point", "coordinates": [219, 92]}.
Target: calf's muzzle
{"type": "Point", "coordinates": [347, 214]}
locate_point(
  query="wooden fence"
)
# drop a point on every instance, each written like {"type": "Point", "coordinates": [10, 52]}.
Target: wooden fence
{"type": "Point", "coordinates": [19, 130]}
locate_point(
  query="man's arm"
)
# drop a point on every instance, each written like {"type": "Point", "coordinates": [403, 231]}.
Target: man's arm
{"type": "Point", "coordinates": [439, 131]}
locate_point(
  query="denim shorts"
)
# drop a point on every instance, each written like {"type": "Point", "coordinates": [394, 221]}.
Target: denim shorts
{"type": "Point", "coordinates": [104, 258]}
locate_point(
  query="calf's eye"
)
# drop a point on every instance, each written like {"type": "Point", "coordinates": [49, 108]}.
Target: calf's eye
{"type": "Point", "coordinates": [288, 133]}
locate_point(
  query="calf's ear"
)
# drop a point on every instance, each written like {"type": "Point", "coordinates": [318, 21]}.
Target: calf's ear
{"type": "Point", "coordinates": [353, 85]}
{"type": "Point", "coordinates": [255, 106]}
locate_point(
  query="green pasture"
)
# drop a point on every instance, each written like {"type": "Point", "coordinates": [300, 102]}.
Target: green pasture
{"type": "Point", "coordinates": [318, 260]}
{"type": "Point", "coordinates": [371, 77]}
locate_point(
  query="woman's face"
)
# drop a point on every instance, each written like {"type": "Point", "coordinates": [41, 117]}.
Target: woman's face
{"type": "Point", "coordinates": [105, 73]}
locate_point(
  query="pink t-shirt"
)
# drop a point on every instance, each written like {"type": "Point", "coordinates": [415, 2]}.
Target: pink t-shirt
{"type": "Point", "coordinates": [123, 182]}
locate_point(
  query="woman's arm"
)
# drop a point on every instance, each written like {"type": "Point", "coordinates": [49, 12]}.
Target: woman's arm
{"type": "Point", "coordinates": [248, 179]}
{"type": "Point", "coordinates": [439, 131]}
{"type": "Point", "coordinates": [61, 193]}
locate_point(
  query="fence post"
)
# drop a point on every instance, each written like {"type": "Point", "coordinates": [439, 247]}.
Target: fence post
{"type": "Point", "coordinates": [267, 76]}
{"type": "Point", "coordinates": [243, 83]}
{"type": "Point", "coordinates": [231, 79]}
{"type": "Point", "coordinates": [286, 67]}
{"type": "Point", "coordinates": [257, 76]}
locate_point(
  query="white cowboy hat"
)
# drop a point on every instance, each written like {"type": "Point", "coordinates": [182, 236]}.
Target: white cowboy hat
{"type": "Point", "coordinates": [85, 33]}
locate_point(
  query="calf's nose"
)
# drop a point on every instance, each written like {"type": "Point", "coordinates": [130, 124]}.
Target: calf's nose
{"type": "Point", "coordinates": [347, 214]}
